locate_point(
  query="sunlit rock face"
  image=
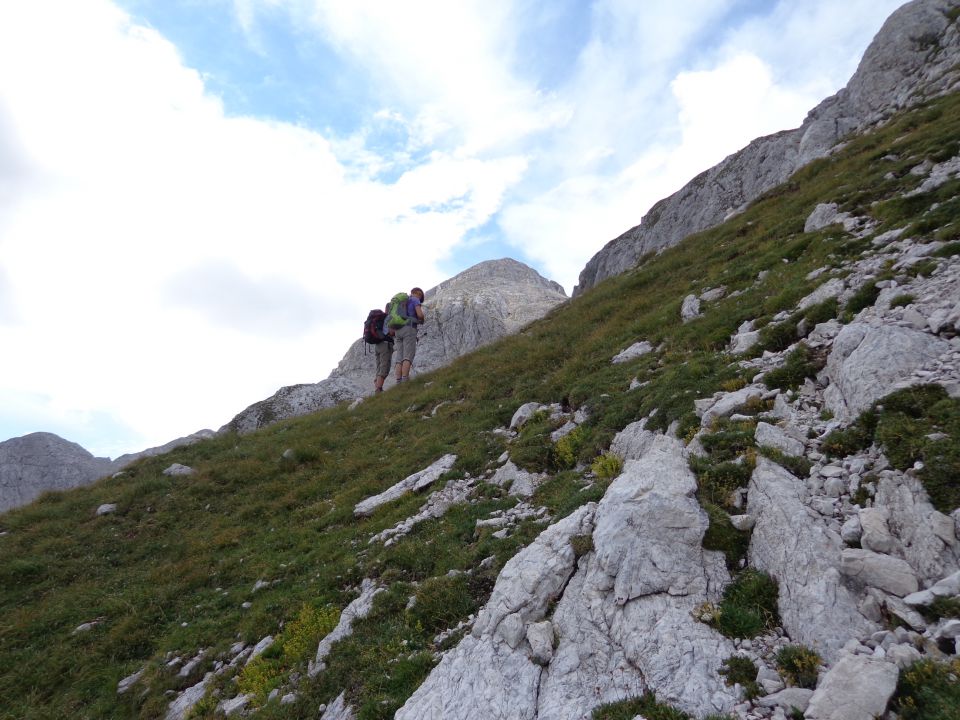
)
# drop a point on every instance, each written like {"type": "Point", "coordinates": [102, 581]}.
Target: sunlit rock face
{"type": "Point", "coordinates": [39, 462]}
{"type": "Point", "coordinates": [476, 307]}
{"type": "Point", "coordinates": [914, 57]}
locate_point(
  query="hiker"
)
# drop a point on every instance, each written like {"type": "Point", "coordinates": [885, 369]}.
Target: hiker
{"type": "Point", "coordinates": [384, 355]}
{"type": "Point", "coordinates": [376, 332]}
{"type": "Point", "coordinates": [406, 336]}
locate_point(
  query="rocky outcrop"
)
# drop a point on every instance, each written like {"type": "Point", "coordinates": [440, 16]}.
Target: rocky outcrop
{"type": "Point", "coordinates": [470, 310]}
{"type": "Point", "coordinates": [914, 56]}
{"type": "Point", "coordinates": [804, 556]}
{"type": "Point", "coordinates": [856, 688]}
{"type": "Point", "coordinates": [39, 462]}
{"type": "Point", "coordinates": [293, 401]}
{"type": "Point", "coordinates": [412, 483]}
{"type": "Point", "coordinates": [866, 361]}
{"type": "Point", "coordinates": [124, 460]}
{"type": "Point", "coordinates": [356, 610]}
{"type": "Point", "coordinates": [623, 622]}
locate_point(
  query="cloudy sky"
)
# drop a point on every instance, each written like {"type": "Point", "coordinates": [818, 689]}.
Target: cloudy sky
{"type": "Point", "coordinates": [200, 199]}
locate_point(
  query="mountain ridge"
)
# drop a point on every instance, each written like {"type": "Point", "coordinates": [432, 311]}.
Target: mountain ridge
{"type": "Point", "coordinates": [901, 67]}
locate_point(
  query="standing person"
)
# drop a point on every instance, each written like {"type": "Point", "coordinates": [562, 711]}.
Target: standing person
{"type": "Point", "coordinates": [407, 335]}
{"type": "Point", "coordinates": [384, 354]}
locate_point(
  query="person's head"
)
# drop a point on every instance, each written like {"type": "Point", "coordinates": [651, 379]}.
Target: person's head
{"type": "Point", "coordinates": [418, 292]}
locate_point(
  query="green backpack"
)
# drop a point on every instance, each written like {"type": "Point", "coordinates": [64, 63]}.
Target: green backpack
{"type": "Point", "coordinates": [397, 313]}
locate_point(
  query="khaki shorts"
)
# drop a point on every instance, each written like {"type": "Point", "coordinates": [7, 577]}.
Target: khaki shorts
{"type": "Point", "coordinates": [406, 345]}
{"type": "Point", "coordinates": [384, 356]}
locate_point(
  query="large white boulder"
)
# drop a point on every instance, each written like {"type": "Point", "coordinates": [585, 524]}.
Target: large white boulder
{"type": "Point", "coordinates": [891, 574]}
{"type": "Point", "coordinates": [624, 620]}
{"type": "Point", "coordinates": [412, 483]}
{"type": "Point", "coordinates": [856, 688]}
{"type": "Point", "coordinates": [867, 360]}
{"type": "Point", "coordinates": [803, 556]}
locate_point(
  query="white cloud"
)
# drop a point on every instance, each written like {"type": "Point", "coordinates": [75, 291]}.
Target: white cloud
{"type": "Point", "coordinates": [736, 101]}
{"type": "Point", "coordinates": [169, 264]}
{"type": "Point", "coordinates": [446, 66]}
{"type": "Point", "coordinates": [176, 264]}
{"type": "Point", "coordinates": [665, 92]}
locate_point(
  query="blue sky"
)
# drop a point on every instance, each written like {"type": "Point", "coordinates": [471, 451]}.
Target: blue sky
{"type": "Point", "coordinates": [200, 199]}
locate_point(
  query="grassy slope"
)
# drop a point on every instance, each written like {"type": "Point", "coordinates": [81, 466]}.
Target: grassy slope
{"type": "Point", "coordinates": [170, 570]}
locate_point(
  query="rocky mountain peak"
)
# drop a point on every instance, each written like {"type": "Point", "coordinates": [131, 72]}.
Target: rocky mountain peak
{"type": "Point", "coordinates": [41, 461]}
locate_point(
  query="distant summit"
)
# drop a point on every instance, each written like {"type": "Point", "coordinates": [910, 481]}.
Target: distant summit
{"type": "Point", "coordinates": [41, 461]}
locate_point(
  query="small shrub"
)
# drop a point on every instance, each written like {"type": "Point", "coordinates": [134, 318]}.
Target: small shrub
{"type": "Point", "coordinates": [776, 337]}
{"type": "Point", "coordinates": [205, 708]}
{"type": "Point", "coordinates": [442, 602]}
{"type": "Point", "coordinates": [293, 646]}
{"type": "Point", "coordinates": [607, 466]}
{"type": "Point", "coordinates": [941, 607]}
{"type": "Point", "coordinates": [749, 605]}
{"type": "Point", "coordinates": [902, 300]}
{"type": "Point", "coordinates": [928, 690]}
{"type": "Point", "coordinates": [902, 438]}
{"type": "Point", "coordinates": [862, 494]}
{"type": "Point", "coordinates": [730, 442]}
{"type": "Point", "coordinates": [581, 544]}
{"type": "Point", "coordinates": [723, 536]}
{"type": "Point", "coordinates": [716, 481]}
{"type": "Point", "coordinates": [301, 636]}
{"type": "Point", "coordinates": [800, 365]}
{"type": "Point", "coordinates": [841, 443]}
{"type": "Point", "coordinates": [822, 312]}
{"type": "Point", "coordinates": [799, 665]}
{"type": "Point", "coordinates": [645, 705]}
{"type": "Point", "coordinates": [948, 250]}
{"type": "Point", "coordinates": [743, 671]}
{"type": "Point", "coordinates": [798, 466]}
{"type": "Point", "coordinates": [864, 297]}
{"type": "Point", "coordinates": [755, 406]}
{"type": "Point", "coordinates": [924, 268]}
{"type": "Point", "coordinates": [259, 677]}
{"type": "Point", "coordinates": [567, 449]}
{"type": "Point", "coordinates": [533, 450]}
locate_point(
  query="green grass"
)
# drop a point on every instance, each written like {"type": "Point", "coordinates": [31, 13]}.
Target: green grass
{"type": "Point", "coordinates": [738, 670]}
{"type": "Point", "coordinates": [801, 363]}
{"type": "Point", "coordinates": [902, 300]}
{"type": "Point", "coordinates": [799, 665]}
{"type": "Point", "coordinates": [645, 705]}
{"type": "Point", "coordinates": [929, 690]}
{"type": "Point", "coordinates": [169, 572]}
{"type": "Point", "coordinates": [749, 606]}
{"type": "Point", "coordinates": [723, 536]}
{"type": "Point", "coordinates": [917, 424]}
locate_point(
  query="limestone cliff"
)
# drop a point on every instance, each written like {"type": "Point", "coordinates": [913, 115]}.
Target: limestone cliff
{"type": "Point", "coordinates": [915, 56]}
{"type": "Point", "coordinates": [38, 462]}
